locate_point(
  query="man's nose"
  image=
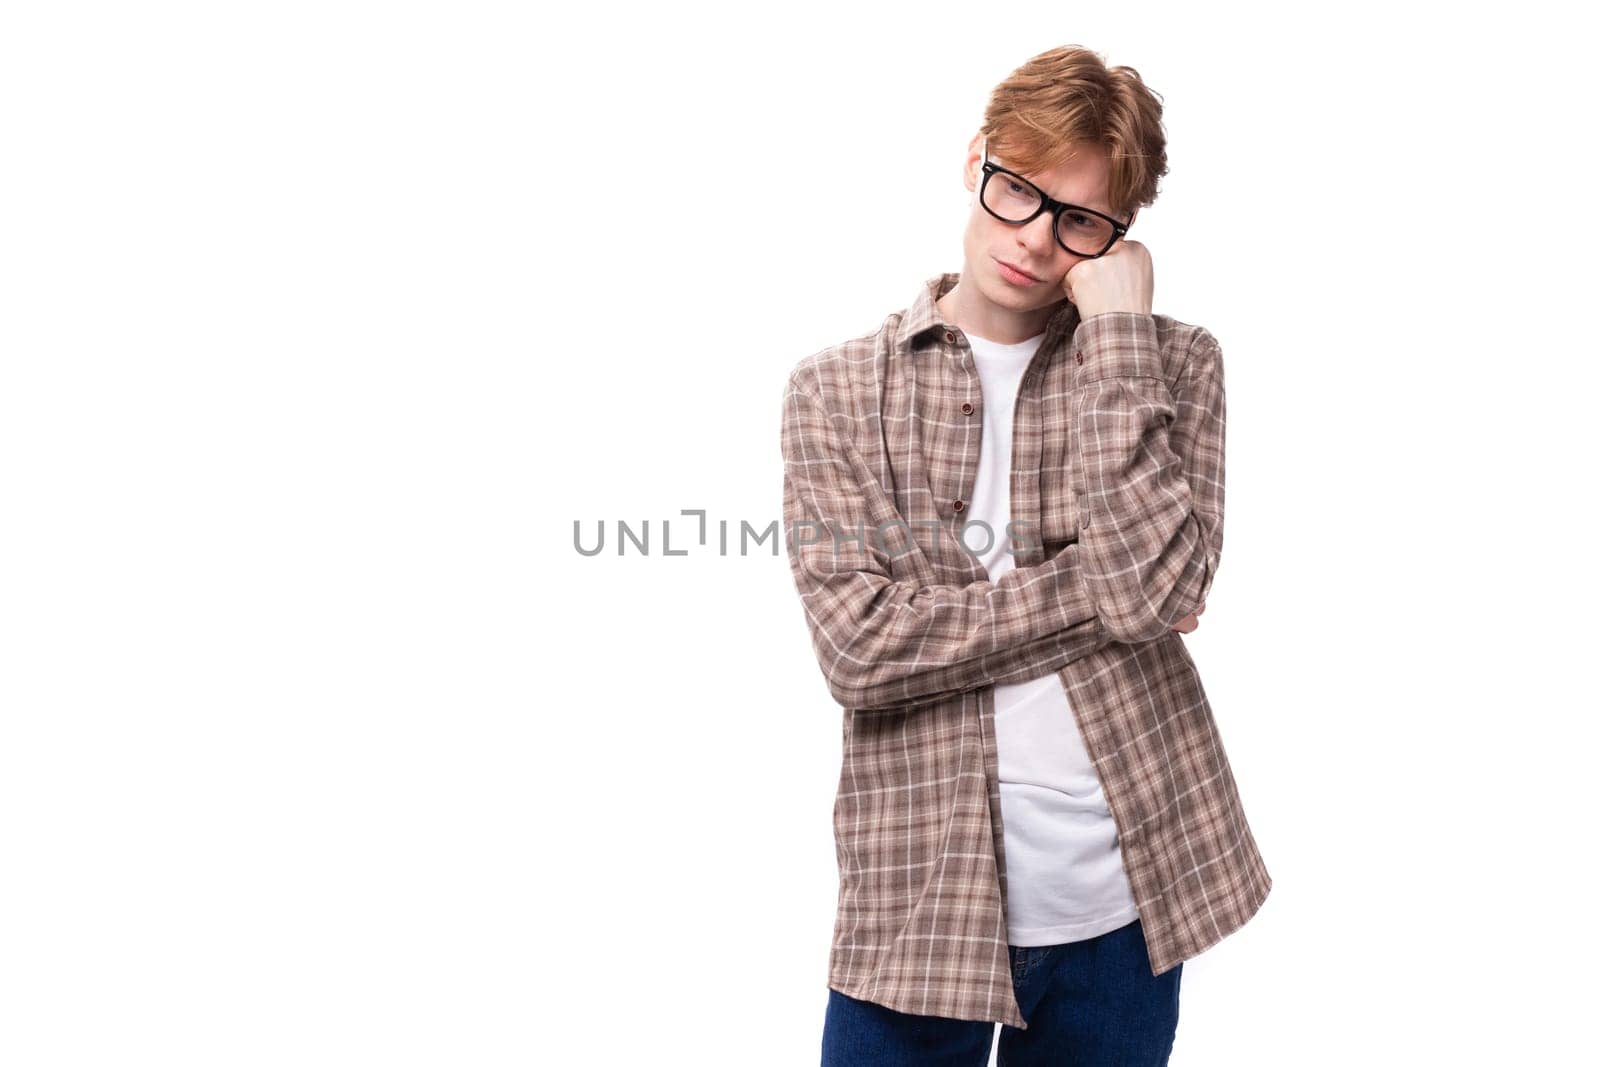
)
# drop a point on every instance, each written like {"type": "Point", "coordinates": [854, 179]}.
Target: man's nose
{"type": "Point", "coordinates": [1040, 233]}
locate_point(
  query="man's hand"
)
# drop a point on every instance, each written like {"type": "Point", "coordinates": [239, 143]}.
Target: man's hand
{"type": "Point", "coordinates": [1188, 623]}
{"type": "Point", "coordinates": [1121, 280]}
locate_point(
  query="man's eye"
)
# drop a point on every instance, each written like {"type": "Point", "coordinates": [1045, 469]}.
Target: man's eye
{"type": "Point", "coordinates": [1079, 220]}
{"type": "Point", "coordinates": [1015, 188]}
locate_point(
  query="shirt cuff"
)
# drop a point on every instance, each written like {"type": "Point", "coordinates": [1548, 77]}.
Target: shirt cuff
{"type": "Point", "coordinates": [1117, 344]}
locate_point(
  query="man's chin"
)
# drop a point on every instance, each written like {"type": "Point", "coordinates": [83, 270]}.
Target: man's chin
{"type": "Point", "coordinates": [1030, 299]}
{"type": "Point", "coordinates": [1003, 292]}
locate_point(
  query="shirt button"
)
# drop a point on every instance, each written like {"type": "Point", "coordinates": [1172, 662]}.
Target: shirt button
{"type": "Point", "coordinates": [967, 409]}
{"type": "Point", "coordinates": [1080, 357]}
{"type": "Point", "coordinates": [950, 336]}
{"type": "Point", "coordinates": [960, 505]}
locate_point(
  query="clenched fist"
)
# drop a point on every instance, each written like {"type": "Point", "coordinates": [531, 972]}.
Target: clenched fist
{"type": "Point", "coordinates": [1121, 280]}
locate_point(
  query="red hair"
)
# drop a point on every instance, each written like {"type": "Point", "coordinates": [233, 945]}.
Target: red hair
{"type": "Point", "coordinates": [1059, 99]}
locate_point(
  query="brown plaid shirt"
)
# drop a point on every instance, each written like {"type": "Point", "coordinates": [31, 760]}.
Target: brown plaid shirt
{"type": "Point", "coordinates": [1116, 499]}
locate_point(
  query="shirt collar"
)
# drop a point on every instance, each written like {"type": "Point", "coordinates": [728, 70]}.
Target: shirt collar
{"type": "Point", "coordinates": [923, 315]}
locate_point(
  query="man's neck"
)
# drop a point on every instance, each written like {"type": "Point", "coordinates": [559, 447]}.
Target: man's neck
{"type": "Point", "coordinates": [1000, 325]}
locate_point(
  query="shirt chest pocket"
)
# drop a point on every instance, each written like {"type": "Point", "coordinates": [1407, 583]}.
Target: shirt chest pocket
{"type": "Point", "coordinates": [1059, 482]}
{"type": "Point", "coordinates": [1058, 508]}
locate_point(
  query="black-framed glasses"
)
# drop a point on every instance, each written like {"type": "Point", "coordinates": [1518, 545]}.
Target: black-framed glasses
{"type": "Point", "coordinates": [1010, 197]}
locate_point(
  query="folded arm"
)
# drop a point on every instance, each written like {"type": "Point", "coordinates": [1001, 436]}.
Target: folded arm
{"type": "Point", "coordinates": [885, 644]}
{"type": "Point", "coordinates": [1152, 462]}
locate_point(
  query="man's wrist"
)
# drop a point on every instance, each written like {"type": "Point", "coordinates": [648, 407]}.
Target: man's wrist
{"type": "Point", "coordinates": [1117, 344]}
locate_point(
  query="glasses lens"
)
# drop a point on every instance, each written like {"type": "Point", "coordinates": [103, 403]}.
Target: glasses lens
{"type": "Point", "coordinates": [1083, 233]}
{"type": "Point", "coordinates": [1010, 199]}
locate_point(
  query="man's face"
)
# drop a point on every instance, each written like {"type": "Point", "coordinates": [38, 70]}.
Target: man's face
{"type": "Point", "coordinates": [1032, 248]}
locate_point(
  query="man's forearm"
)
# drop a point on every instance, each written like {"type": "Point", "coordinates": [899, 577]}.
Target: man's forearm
{"type": "Point", "coordinates": [1153, 469]}
{"type": "Point", "coordinates": [908, 643]}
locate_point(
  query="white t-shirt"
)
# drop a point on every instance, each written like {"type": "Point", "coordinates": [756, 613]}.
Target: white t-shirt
{"type": "Point", "coordinates": [1064, 875]}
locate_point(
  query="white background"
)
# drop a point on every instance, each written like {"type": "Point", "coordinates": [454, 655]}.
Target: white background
{"type": "Point", "coordinates": [323, 324]}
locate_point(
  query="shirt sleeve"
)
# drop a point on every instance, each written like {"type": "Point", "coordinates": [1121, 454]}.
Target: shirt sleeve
{"type": "Point", "coordinates": [1152, 465]}
{"type": "Point", "coordinates": [883, 643]}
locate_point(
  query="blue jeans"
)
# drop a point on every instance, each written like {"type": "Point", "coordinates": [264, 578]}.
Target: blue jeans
{"type": "Point", "coordinates": [1087, 1003]}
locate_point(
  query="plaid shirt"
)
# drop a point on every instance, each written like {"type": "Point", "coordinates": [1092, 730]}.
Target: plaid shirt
{"type": "Point", "coordinates": [1116, 500]}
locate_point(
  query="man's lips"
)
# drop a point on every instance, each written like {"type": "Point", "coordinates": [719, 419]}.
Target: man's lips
{"type": "Point", "coordinates": [1019, 270]}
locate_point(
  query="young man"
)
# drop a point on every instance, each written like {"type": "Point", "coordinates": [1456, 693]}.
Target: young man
{"type": "Point", "coordinates": [1002, 509]}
